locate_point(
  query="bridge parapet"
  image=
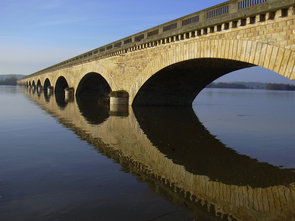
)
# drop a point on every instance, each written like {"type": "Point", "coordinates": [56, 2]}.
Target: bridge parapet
{"type": "Point", "coordinates": [223, 17]}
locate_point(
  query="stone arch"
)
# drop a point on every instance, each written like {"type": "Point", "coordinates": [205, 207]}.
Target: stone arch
{"type": "Point", "coordinates": [239, 53]}
{"type": "Point", "coordinates": [33, 83]}
{"type": "Point", "coordinates": [179, 84]}
{"type": "Point", "coordinates": [61, 84]}
{"type": "Point", "coordinates": [47, 84]}
{"type": "Point", "coordinates": [93, 85]}
{"type": "Point", "coordinates": [39, 83]}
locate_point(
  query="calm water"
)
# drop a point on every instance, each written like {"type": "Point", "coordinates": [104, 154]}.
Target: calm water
{"type": "Point", "coordinates": [230, 157]}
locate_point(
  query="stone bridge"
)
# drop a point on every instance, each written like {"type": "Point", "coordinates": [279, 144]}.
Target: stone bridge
{"type": "Point", "coordinates": [171, 63]}
{"type": "Point", "coordinates": [195, 169]}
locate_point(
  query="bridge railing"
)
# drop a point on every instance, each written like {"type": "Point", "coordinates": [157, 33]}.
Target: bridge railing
{"type": "Point", "coordinates": [192, 25]}
{"type": "Point", "coordinates": [249, 3]}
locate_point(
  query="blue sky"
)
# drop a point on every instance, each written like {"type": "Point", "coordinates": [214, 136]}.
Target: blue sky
{"type": "Point", "coordinates": [35, 34]}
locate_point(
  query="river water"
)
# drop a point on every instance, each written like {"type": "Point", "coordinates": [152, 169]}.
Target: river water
{"type": "Point", "coordinates": [231, 157]}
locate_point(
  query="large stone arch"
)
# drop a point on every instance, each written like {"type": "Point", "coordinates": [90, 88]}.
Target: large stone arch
{"type": "Point", "coordinates": [240, 53]}
{"type": "Point", "coordinates": [61, 84]}
{"type": "Point", "coordinates": [93, 85]}
{"type": "Point", "coordinates": [46, 83]}
{"type": "Point", "coordinates": [179, 84]}
{"type": "Point", "coordinates": [100, 67]}
{"type": "Point", "coordinates": [39, 84]}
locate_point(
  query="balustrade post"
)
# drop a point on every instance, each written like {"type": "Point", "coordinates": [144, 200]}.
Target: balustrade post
{"type": "Point", "coordinates": [233, 6]}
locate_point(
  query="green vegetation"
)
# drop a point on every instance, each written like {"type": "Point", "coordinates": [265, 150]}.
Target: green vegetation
{"type": "Point", "coordinates": [120, 93]}
{"type": "Point", "coordinates": [227, 85]}
{"type": "Point", "coordinates": [285, 87]}
{"type": "Point", "coordinates": [9, 81]}
{"type": "Point", "coordinates": [253, 85]}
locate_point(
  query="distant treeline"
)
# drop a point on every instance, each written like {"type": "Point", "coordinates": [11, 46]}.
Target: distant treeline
{"type": "Point", "coordinates": [286, 87]}
{"type": "Point", "coordinates": [241, 85]}
{"type": "Point", "coordinates": [9, 81]}
{"type": "Point", "coordinates": [235, 85]}
{"type": "Point", "coordinates": [228, 85]}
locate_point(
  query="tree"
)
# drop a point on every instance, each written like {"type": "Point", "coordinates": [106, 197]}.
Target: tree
{"type": "Point", "coordinates": [9, 81]}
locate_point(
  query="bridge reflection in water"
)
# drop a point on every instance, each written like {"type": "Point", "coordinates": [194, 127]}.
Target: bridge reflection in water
{"type": "Point", "coordinates": [169, 149]}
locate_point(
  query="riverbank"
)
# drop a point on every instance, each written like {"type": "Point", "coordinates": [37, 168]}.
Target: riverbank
{"type": "Point", "coordinates": [252, 85]}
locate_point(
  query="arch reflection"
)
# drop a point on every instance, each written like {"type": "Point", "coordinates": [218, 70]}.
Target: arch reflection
{"type": "Point", "coordinates": [60, 100]}
{"type": "Point", "coordinates": [46, 95]}
{"type": "Point", "coordinates": [179, 135]}
{"type": "Point", "coordinates": [93, 111]}
{"type": "Point", "coordinates": [180, 160]}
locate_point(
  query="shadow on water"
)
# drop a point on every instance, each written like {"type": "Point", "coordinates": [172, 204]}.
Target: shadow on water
{"type": "Point", "coordinates": [95, 113]}
{"type": "Point", "coordinates": [212, 180]}
{"type": "Point", "coordinates": [178, 133]}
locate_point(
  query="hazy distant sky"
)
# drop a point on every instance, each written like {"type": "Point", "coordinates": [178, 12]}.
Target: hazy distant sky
{"type": "Point", "coordinates": [35, 34]}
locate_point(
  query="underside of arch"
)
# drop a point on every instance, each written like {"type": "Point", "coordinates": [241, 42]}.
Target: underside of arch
{"type": "Point", "coordinates": [46, 84]}
{"type": "Point", "coordinates": [93, 85]}
{"type": "Point", "coordinates": [39, 83]}
{"type": "Point", "coordinates": [61, 85]}
{"type": "Point", "coordinates": [179, 84]}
